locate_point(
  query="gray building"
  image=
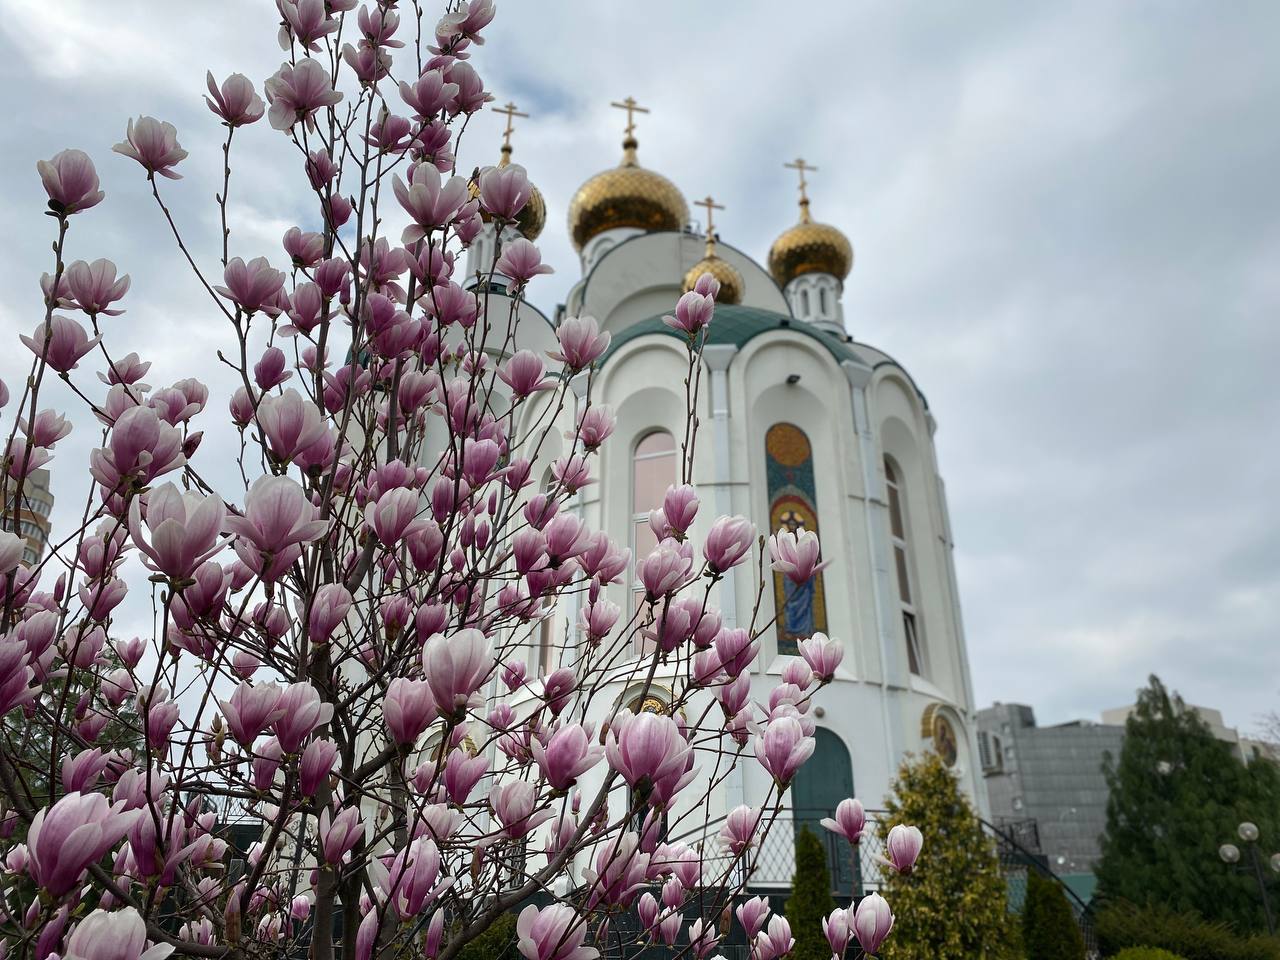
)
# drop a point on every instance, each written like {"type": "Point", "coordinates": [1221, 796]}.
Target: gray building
{"type": "Point", "coordinates": [1045, 784]}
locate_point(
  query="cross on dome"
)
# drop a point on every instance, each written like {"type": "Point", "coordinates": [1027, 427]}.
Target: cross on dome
{"type": "Point", "coordinates": [709, 205]}
{"type": "Point", "coordinates": [511, 112]}
{"type": "Point", "coordinates": [800, 166]}
{"type": "Point", "coordinates": [632, 107]}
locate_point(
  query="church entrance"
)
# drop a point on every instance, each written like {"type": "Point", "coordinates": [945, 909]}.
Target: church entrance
{"type": "Point", "coordinates": [818, 787]}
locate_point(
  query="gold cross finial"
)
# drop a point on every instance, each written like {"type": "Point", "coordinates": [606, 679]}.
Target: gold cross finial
{"type": "Point", "coordinates": [710, 205]}
{"type": "Point", "coordinates": [799, 165]}
{"type": "Point", "coordinates": [632, 108]}
{"type": "Point", "coordinates": [511, 113]}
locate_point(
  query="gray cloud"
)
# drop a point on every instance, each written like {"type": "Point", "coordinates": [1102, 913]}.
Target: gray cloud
{"type": "Point", "coordinates": [1066, 225]}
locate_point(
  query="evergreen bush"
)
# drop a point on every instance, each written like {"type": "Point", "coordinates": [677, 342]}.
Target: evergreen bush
{"type": "Point", "coordinates": [1049, 928]}
{"type": "Point", "coordinates": [810, 899]}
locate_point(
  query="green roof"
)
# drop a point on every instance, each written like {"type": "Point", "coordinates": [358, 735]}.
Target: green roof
{"type": "Point", "coordinates": [736, 325]}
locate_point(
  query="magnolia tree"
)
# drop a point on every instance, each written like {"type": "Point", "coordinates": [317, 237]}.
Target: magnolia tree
{"type": "Point", "coordinates": [338, 645]}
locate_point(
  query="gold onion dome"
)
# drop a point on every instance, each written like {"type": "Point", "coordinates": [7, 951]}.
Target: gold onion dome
{"type": "Point", "coordinates": [731, 282]}
{"type": "Point", "coordinates": [809, 247]}
{"type": "Point", "coordinates": [626, 196]}
{"type": "Point", "coordinates": [730, 279]}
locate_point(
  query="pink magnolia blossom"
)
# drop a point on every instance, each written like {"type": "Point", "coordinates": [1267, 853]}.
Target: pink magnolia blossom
{"type": "Point", "coordinates": [118, 935]}
{"type": "Point", "coordinates": [46, 429]}
{"type": "Point", "coordinates": [645, 748]}
{"type": "Point", "coordinates": [11, 549]}
{"type": "Point", "coordinates": [902, 847]}
{"type": "Point", "coordinates": [71, 182]}
{"type": "Point", "coordinates": [270, 370]}
{"type": "Point", "coordinates": [290, 424]}
{"type": "Point", "coordinates": [837, 928]}
{"type": "Point", "coordinates": [251, 709]}
{"type": "Point", "coordinates": [95, 287]}
{"type": "Point", "coordinates": [850, 819]}
{"type": "Point", "coordinates": [822, 654]}
{"type": "Point", "coordinates": [774, 941]}
{"type": "Point", "coordinates": [872, 922]}
{"type": "Point", "coordinates": [20, 458]}
{"type": "Point", "coordinates": [428, 200]}
{"type": "Point", "coordinates": [581, 342]}
{"type": "Point", "coordinates": [471, 95]}
{"type": "Point", "coordinates": [524, 373]}
{"type": "Point", "coordinates": [409, 881]}
{"type": "Point", "coordinates": [795, 555]}
{"type": "Point", "coordinates": [367, 62]}
{"type": "Point", "coordinates": [253, 286]}
{"type": "Point", "coordinates": [339, 834]}
{"type": "Point", "coordinates": [521, 261]}
{"type": "Point", "coordinates": [665, 569]}
{"type": "Point", "coordinates": [728, 543]}
{"type": "Point", "coordinates": [277, 519]}
{"type": "Point", "coordinates": [568, 754]}
{"type": "Point", "coordinates": [752, 915]}
{"type": "Point", "coordinates": [783, 748]}
{"type": "Point", "coordinates": [707, 285]}
{"type": "Point", "coordinates": [140, 448]}
{"type": "Point", "coordinates": [317, 763]}
{"type": "Point", "coordinates": [461, 774]}
{"type": "Point", "coordinates": [455, 667]}
{"type": "Point", "coordinates": [693, 312]}
{"type": "Point", "coordinates": [236, 102]}
{"type": "Point", "coordinates": [154, 144]}
{"type": "Point", "coordinates": [408, 709]}
{"type": "Point", "coordinates": [296, 92]}
{"type": "Point", "coordinates": [428, 95]}
{"type": "Point", "coordinates": [62, 342]}
{"type": "Point", "coordinates": [504, 190]}
{"type": "Point", "coordinates": [129, 369]}
{"type": "Point", "coordinates": [303, 711]}
{"type": "Point", "coordinates": [183, 529]}
{"type": "Point", "coordinates": [620, 872]}
{"type": "Point", "coordinates": [329, 607]}
{"type": "Point", "coordinates": [513, 803]}
{"type": "Point", "coordinates": [680, 507]}
{"type": "Point", "coordinates": [554, 932]}
{"type": "Point", "coordinates": [739, 829]}
{"type": "Point", "coordinates": [65, 839]}
{"type": "Point", "coordinates": [306, 21]}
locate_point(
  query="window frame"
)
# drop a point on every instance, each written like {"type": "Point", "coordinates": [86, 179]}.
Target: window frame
{"type": "Point", "coordinates": [904, 569]}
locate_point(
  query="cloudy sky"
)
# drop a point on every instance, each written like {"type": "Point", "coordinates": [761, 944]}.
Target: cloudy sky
{"type": "Point", "coordinates": [1067, 227]}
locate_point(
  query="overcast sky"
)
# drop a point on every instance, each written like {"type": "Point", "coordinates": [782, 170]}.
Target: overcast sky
{"type": "Point", "coordinates": [1067, 227]}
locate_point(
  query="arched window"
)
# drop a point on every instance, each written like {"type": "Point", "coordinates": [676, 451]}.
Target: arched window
{"type": "Point", "coordinates": [801, 608]}
{"type": "Point", "coordinates": [804, 302]}
{"type": "Point", "coordinates": [902, 563]}
{"type": "Point", "coordinates": [822, 301]}
{"type": "Point", "coordinates": [653, 469]}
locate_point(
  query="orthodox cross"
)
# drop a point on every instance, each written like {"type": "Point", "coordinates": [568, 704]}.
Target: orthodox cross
{"type": "Point", "coordinates": [800, 166]}
{"type": "Point", "coordinates": [631, 107]}
{"type": "Point", "coordinates": [511, 113]}
{"type": "Point", "coordinates": [710, 205]}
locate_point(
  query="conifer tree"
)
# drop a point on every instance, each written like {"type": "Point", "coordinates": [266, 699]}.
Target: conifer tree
{"type": "Point", "coordinates": [1049, 928]}
{"type": "Point", "coordinates": [952, 906]}
{"type": "Point", "coordinates": [810, 899]}
{"type": "Point", "coordinates": [1176, 794]}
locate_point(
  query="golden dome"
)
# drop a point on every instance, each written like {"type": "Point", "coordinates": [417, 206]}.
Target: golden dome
{"type": "Point", "coordinates": [810, 247]}
{"type": "Point", "coordinates": [532, 217]}
{"type": "Point", "coordinates": [626, 196]}
{"type": "Point", "coordinates": [731, 282]}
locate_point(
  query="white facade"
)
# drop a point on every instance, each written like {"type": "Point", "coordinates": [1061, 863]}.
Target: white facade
{"type": "Point", "coordinates": [765, 365]}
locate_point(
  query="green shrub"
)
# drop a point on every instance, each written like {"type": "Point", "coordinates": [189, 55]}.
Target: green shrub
{"type": "Point", "coordinates": [1120, 925]}
{"type": "Point", "coordinates": [810, 899]}
{"type": "Point", "coordinates": [1049, 928]}
{"type": "Point", "coordinates": [1146, 953]}
{"type": "Point", "coordinates": [496, 943]}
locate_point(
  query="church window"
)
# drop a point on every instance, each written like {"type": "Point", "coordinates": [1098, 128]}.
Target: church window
{"type": "Point", "coordinates": [804, 303]}
{"type": "Point", "coordinates": [544, 647]}
{"type": "Point", "coordinates": [801, 608]}
{"type": "Point", "coordinates": [902, 567]}
{"type": "Point", "coordinates": [653, 469]}
{"type": "Point", "coordinates": [822, 300]}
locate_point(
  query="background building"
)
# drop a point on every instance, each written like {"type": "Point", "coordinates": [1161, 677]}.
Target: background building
{"type": "Point", "coordinates": [1045, 784]}
{"type": "Point", "coordinates": [33, 515]}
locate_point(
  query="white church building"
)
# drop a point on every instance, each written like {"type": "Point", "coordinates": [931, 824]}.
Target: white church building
{"type": "Point", "coordinates": [800, 424]}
